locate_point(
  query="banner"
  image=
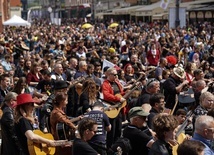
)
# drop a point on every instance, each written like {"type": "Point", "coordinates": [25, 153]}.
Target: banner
{"type": "Point", "coordinates": [107, 63]}
{"type": "Point", "coordinates": [164, 4]}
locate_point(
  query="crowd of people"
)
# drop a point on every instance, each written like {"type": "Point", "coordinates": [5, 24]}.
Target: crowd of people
{"type": "Point", "coordinates": [135, 88]}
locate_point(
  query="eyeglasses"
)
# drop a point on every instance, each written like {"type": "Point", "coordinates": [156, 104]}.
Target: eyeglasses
{"type": "Point", "coordinates": [114, 74]}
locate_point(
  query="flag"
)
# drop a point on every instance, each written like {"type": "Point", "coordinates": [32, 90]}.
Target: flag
{"type": "Point", "coordinates": [85, 20]}
{"type": "Point", "coordinates": [107, 63]}
{"type": "Point", "coordinates": [164, 4]}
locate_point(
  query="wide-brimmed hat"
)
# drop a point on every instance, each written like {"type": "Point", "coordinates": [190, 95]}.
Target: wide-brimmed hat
{"type": "Point", "coordinates": [137, 111]}
{"type": "Point", "coordinates": [25, 98]}
{"type": "Point", "coordinates": [60, 85]}
{"type": "Point", "coordinates": [179, 72]}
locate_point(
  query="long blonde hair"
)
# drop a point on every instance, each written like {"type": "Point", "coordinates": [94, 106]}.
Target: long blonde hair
{"type": "Point", "coordinates": [21, 111]}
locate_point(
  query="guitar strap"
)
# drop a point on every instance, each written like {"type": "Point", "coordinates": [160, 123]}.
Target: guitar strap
{"type": "Point", "coordinates": [98, 145]}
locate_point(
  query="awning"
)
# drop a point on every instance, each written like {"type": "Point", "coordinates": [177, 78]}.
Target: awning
{"type": "Point", "coordinates": [127, 10]}
{"type": "Point", "coordinates": [160, 16]}
{"type": "Point", "coordinates": [149, 10]}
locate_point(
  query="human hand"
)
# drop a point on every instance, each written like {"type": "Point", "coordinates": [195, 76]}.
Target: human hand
{"type": "Point", "coordinates": [122, 100]}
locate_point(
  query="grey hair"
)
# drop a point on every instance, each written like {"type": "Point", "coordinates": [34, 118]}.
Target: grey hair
{"type": "Point", "coordinates": [203, 122]}
{"type": "Point", "coordinates": [205, 95]}
{"type": "Point", "coordinates": [9, 96]}
{"type": "Point", "coordinates": [111, 69]}
{"type": "Point", "coordinates": [82, 63]}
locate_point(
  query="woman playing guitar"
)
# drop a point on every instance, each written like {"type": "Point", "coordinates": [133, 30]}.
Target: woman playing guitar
{"type": "Point", "coordinates": [58, 115]}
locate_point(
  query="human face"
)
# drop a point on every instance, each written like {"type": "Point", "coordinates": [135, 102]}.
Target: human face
{"type": "Point", "coordinates": [208, 103]}
{"type": "Point", "coordinates": [155, 88]}
{"type": "Point", "coordinates": [30, 107]}
{"type": "Point", "coordinates": [6, 82]}
{"type": "Point", "coordinates": [141, 121]}
{"type": "Point", "coordinates": [134, 58]}
{"type": "Point", "coordinates": [64, 102]}
{"type": "Point", "coordinates": [170, 135]}
{"type": "Point", "coordinates": [113, 75]}
{"type": "Point", "coordinates": [181, 118]}
{"type": "Point", "coordinates": [129, 69]}
{"type": "Point", "coordinates": [91, 132]}
{"type": "Point", "coordinates": [209, 132]}
{"type": "Point", "coordinates": [161, 105]}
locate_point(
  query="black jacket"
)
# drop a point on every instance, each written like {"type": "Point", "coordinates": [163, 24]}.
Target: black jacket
{"type": "Point", "coordinates": [160, 147]}
{"type": "Point", "coordinates": [10, 144]}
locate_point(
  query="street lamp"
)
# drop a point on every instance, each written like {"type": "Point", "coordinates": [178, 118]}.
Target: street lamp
{"type": "Point", "coordinates": [177, 20]}
{"type": "Point", "coordinates": [93, 11]}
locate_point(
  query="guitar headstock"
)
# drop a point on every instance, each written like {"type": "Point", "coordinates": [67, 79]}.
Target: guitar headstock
{"type": "Point", "coordinates": [119, 151]}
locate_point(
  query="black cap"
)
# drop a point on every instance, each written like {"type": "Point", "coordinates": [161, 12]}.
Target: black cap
{"type": "Point", "coordinates": [105, 68]}
{"type": "Point", "coordinates": [60, 84]}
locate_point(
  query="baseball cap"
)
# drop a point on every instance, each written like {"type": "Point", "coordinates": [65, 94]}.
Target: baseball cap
{"type": "Point", "coordinates": [137, 111]}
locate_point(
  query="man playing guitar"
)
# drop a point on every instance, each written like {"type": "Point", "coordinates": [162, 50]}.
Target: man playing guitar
{"type": "Point", "coordinates": [110, 88]}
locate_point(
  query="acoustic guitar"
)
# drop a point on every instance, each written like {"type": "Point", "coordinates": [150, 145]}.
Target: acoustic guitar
{"type": "Point", "coordinates": [44, 149]}
{"type": "Point", "coordinates": [64, 132]}
{"type": "Point", "coordinates": [112, 111]}
{"type": "Point", "coordinates": [179, 134]}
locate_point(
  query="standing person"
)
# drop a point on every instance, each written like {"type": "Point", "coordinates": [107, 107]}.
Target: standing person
{"type": "Point", "coordinates": [4, 85]}
{"type": "Point", "coordinates": [160, 68]}
{"type": "Point", "coordinates": [139, 140]}
{"type": "Point", "coordinates": [204, 132]}
{"type": "Point", "coordinates": [87, 128]}
{"type": "Point", "coordinates": [103, 125]}
{"type": "Point", "coordinates": [34, 76]}
{"type": "Point", "coordinates": [24, 121]}
{"type": "Point", "coordinates": [10, 144]}
{"type": "Point", "coordinates": [165, 127]}
{"type": "Point", "coordinates": [158, 105]}
{"type": "Point", "coordinates": [87, 97]}
{"type": "Point", "coordinates": [110, 88]}
{"type": "Point", "coordinates": [153, 55]}
{"type": "Point", "coordinates": [58, 115]}
{"type": "Point", "coordinates": [173, 86]}
{"type": "Point", "coordinates": [152, 87]}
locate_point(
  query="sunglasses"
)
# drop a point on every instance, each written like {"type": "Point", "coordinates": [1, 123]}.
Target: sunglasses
{"type": "Point", "coordinates": [94, 131]}
{"type": "Point", "coordinates": [114, 74]}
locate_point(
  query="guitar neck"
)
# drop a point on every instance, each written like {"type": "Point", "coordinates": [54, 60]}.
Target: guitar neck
{"type": "Point", "coordinates": [129, 93]}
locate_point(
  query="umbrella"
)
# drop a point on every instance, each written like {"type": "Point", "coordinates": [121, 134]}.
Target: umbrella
{"type": "Point", "coordinates": [86, 26]}
{"type": "Point", "coordinates": [113, 25]}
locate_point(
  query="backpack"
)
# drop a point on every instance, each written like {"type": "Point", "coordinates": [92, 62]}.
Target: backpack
{"type": "Point", "coordinates": [122, 143]}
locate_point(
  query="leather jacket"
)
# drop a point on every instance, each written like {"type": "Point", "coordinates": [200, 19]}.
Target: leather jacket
{"type": "Point", "coordinates": [10, 144]}
{"type": "Point", "coordinates": [160, 147]}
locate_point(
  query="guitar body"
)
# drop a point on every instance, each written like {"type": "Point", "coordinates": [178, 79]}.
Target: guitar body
{"type": "Point", "coordinates": [180, 140]}
{"type": "Point", "coordinates": [41, 149]}
{"type": "Point", "coordinates": [113, 111]}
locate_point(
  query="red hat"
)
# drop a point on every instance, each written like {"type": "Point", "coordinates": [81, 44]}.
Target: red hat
{"type": "Point", "coordinates": [25, 98]}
